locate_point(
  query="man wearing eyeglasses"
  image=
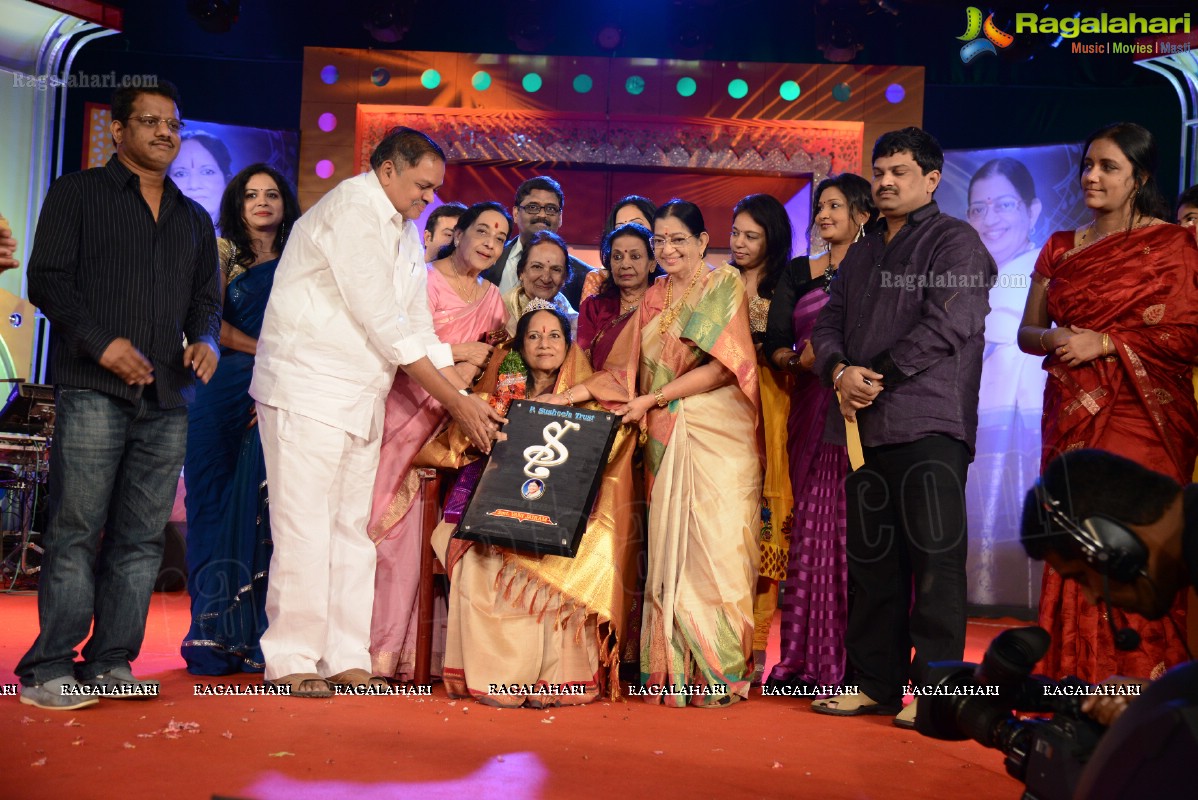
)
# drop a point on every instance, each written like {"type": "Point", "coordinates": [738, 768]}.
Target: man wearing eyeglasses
{"type": "Point", "coordinates": [539, 207]}
{"type": "Point", "coordinates": [901, 340]}
{"type": "Point", "coordinates": [125, 268]}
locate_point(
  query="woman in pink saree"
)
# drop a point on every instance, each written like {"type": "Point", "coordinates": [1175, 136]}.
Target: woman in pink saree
{"type": "Point", "coordinates": [465, 308]}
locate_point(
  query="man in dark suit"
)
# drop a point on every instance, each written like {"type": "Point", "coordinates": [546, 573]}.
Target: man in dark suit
{"type": "Point", "coordinates": [539, 207]}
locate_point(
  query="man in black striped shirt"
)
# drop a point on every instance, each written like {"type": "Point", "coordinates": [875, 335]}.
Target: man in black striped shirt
{"type": "Point", "coordinates": [125, 268]}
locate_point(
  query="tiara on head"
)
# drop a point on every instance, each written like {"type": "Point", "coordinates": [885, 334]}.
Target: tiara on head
{"type": "Point", "coordinates": [538, 304]}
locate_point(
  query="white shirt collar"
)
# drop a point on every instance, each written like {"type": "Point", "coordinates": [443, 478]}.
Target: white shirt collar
{"type": "Point", "coordinates": [381, 202]}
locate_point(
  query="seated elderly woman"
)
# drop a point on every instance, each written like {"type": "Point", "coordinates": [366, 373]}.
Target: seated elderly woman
{"type": "Point", "coordinates": [542, 271]}
{"type": "Point", "coordinates": [521, 625]}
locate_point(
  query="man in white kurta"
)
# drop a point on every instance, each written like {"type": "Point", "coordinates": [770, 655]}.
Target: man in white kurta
{"type": "Point", "coordinates": [348, 307]}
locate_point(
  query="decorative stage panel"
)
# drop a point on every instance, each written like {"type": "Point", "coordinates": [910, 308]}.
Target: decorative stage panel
{"type": "Point", "coordinates": [811, 119]}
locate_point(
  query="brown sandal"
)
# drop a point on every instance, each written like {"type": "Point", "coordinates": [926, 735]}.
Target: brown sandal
{"type": "Point", "coordinates": [357, 678]}
{"type": "Point", "coordinates": [316, 685]}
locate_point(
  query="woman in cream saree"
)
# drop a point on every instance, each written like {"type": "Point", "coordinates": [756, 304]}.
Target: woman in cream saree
{"type": "Point", "coordinates": [539, 630]}
{"type": "Point", "coordinates": [690, 367]}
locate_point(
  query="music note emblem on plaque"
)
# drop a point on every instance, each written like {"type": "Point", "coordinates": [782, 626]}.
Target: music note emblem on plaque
{"type": "Point", "coordinates": [539, 458]}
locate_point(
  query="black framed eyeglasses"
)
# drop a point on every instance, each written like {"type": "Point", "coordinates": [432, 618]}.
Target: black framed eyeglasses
{"type": "Point", "coordinates": [533, 209]}
{"type": "Point", "coordinates": [152, 122]}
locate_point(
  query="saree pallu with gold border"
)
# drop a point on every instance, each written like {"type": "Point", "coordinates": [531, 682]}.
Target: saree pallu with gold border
{"type": "Point", "coordinates": [532, 624]}
{"type": "Point", "coordinates": [1140, 287]}
{"type": "Point", "coordinates": [703, 476]}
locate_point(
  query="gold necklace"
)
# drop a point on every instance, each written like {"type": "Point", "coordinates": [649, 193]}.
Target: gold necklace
{"type": "Point", "coordinates": [670, 313]}
{"type": "Point", "coordinates": [1131, 226]}
{"type": "Point", "coordinates": [464, 288]}
{"type": "Point", "coordinates": [626, 307]}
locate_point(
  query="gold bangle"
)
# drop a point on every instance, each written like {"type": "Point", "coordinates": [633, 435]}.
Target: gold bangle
{"type": "Point", "coordinates": [1044, 333]}
{"type": "Point", "coordinates": [662, 402]}
{"type": "Point", "coordinates": [569, 395]}
{"type": "Point", "coordinates": [1106, 344]}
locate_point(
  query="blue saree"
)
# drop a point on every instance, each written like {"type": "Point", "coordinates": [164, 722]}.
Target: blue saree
{"type": "Point", "coordinates": [228, 530]}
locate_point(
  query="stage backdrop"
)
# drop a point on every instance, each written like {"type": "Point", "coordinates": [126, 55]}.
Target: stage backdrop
{"type": "Point", "coordinates": [711, 132]}
{"type": "Point", "coordinates": [1018, 198]}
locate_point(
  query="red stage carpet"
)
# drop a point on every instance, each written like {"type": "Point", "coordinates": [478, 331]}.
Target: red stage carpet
{"type": "Point", "coordinates": [370, 748]}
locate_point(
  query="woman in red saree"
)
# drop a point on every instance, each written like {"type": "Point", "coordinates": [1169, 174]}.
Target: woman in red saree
{"type": "Point", "coordinates": [611, 296]}
{"type": "Point", "coordinates": [1123, 292]}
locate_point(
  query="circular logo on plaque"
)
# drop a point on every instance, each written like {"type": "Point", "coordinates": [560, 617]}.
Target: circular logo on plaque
{"type": "Point", "coordinates": [533, 489]}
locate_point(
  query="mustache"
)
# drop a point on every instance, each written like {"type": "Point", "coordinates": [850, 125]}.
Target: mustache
{"type": "Point", "coordinates": [540, 221]}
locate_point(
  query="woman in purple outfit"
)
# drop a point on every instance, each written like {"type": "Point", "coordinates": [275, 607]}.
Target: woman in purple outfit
{"type": "Point", "coordinates": [814, 604]}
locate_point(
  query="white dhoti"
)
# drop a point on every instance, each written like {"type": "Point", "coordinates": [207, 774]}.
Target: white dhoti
{"type": "Point", "coordinates": [321, 588]}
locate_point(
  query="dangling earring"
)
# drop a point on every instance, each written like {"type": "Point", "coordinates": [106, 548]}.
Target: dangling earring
{"type": "Point", "coordinates": [860, 233]}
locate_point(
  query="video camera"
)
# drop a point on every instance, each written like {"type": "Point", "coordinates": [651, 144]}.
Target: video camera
{"type": "Point", "coordinates": [976, 701]}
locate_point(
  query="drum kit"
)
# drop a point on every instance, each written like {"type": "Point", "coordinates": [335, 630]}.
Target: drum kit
{"type": "Point", "coordinates": [26, 431]}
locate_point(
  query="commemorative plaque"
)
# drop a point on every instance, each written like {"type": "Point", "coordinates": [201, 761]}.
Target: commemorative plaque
{"type": "Point", "coordinates": [537, 489]}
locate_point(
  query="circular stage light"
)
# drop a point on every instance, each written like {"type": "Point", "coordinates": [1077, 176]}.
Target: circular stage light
{"type": "Point", "coordinates": [583, 83]}
{"type": "Point", "coordinates": [635, 84]}
{"type": "Point", "coordinates": [895, 93]}
{"type": "Point", "coordinates": [324, 169]}
{"type": "Point", "coordinates": [327, 122]}
{"type": "Point", "coordinates": [789, 91]}
{"type": "Point", "coordinates": [609, 37]}
{"type": "Point", "coordinates": [481, 81]}
{"type": "Point", "coordinates": [531, 82]}
{"type": "Point", "coordinates": [737, 88]}
{"type": "Point", "coordinates": [841, 92]}
{"type": "Point", "coordinates": [430, 79]}
{"type": "Point", "coordinates": [380, 77]}
{"type": "Point", "coordinates": [686, 86]}
{"type": "Point", "coordinates": [329, 74]}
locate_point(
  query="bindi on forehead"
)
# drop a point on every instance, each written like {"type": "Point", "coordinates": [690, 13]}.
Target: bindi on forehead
{"type": "Point", "coordinates": [544, 321]}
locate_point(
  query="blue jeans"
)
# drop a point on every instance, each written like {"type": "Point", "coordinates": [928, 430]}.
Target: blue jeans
{"type": "Point", "coordinates": [114, 467]}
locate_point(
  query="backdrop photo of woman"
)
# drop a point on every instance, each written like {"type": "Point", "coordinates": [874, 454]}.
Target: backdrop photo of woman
{"type": "Point", "coordinates": [1003, 208]}
{"type": "Point", "coordinates": [465, 308]}
{"type": "Point", "coordinates": [1113, 308]}
{"type": "Point", "coordinates": [201, 171]}
{"type": "Point", "coordinates": [228, 529]}
{"type": "Point", "coordinates": [523, 620]}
